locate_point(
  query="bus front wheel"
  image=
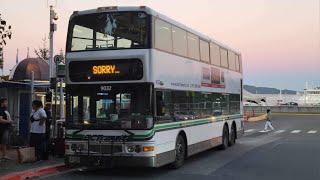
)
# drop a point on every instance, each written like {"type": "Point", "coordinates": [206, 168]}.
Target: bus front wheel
{"type": "Point", "coordinates": [180, 152]}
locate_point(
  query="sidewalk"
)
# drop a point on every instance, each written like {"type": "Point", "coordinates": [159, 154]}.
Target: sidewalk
{"type": "Point", "coordinates": [12, 167]}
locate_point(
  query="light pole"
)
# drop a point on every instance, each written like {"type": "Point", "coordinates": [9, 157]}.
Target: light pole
{"type": "Point", "coordinates": [52, 80]}
{"type": "Point", "coordinates": [53, 27]}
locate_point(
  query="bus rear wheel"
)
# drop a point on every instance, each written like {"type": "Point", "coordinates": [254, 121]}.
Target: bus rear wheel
{"type": "Point", "coordinates": [180, 152]}
{"type": "Point", "coordinates": [225, 138]}
{"type": "Point", "coordinates": [232, 135]}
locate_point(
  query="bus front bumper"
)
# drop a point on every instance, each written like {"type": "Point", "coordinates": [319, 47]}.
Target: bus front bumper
{"type": "Point", "coordinates": [108, 161]}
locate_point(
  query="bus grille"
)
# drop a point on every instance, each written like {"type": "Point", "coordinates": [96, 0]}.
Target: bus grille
{"type": "Point", "coordinates": [105, 149]}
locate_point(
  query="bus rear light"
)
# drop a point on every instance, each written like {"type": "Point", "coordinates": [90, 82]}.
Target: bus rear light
{"type": "Point", "coordinates": [148, 148]}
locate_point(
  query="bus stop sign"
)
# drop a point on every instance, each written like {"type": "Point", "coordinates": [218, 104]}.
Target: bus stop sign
{"type": "Point", "coordinates": [58, 59]}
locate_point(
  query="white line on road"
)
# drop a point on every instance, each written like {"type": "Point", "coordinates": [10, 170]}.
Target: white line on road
{"type": "Point", "coordinates": [312, 132]}
{"type": "Point", "coordinates": [249, 130]}
{"type": "Point", "coordinates": [280, 131]}
{"type": "Point", "coordinates": [295, 131]}
{"type": "Point", "coordinates": [264, 131]}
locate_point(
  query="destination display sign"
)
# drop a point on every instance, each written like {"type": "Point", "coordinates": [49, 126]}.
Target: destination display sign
{"type": "Point", "coordinates": [106, 70]}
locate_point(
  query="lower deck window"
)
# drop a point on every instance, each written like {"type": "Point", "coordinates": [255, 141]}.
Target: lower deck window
{"type": "Point", "coordinates": [189, 105]}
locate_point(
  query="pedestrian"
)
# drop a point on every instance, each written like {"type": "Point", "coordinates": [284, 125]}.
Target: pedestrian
{"type": "Point", "coordinates": [38, 129]}
{"type": "Point", "coordinates": [5, 123]}
{"type": "Point", "coordinates": [47, 109]}
{"type": "Point", "coordinates": [268, 122]}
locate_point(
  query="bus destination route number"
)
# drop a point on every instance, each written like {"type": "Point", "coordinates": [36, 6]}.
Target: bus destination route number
{"type": "Point", "coordinates": [106, 88]}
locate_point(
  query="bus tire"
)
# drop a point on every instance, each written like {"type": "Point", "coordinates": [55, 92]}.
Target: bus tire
{"type": "Point", "coordinates": [232, 135]}
{"type": "Point", "coordinates": [225, 138]}
{"type": "Point", "coordinates": [180, 152]}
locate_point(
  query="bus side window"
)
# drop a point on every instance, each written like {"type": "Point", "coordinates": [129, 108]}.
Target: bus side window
{"type": "Point", "coordinates": [161, 108]}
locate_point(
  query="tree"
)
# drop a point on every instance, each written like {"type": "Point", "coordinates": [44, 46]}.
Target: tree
{"type": "Point", "coordinates": [4, 34]}
{"type": "Point", "coordinates": [43, 53]}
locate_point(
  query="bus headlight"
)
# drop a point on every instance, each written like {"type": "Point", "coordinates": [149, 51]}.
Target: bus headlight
{"type": "Point", "coordinates": [138, 148]}
{"type": "Point", "coordinates": [81, 147]}
{"type": "Point", "coordinates": [73, 147]}
{"type": "Point", "coordinates": [86, 122]}
{"type": "Point", "coordinates": [131, 149]}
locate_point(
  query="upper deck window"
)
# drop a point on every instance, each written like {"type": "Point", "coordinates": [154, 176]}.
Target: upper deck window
{"type": "Point", "coordinates": [179, 41]}
{"type": "Point", "coordinates": [224, 58]}
{"type": "Point", "coordinates": [215, 54]}
{"type": "Point", "coordinates": [193, 46]}
{"type": "Point", "coordinates": [112, 30]}
{"type": "Point", "coordinates": [163, 35]}
{"type": "Point", "coordinates": [204, 51]}
{"type": "Point", "coordinates": [232, 60]}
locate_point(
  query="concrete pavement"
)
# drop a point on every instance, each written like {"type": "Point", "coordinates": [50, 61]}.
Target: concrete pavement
{"type": "Point", "coordinates": [11, 169]}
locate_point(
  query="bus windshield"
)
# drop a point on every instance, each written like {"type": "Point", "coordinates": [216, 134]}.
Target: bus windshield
{"type": "Point", "coordinates": [112, 30]}
{"type": "Point", "coordinates": [109, 107]}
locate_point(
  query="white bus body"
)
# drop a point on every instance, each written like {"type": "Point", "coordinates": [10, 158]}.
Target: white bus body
{"type": "Point", "coordinates": [166, 75]}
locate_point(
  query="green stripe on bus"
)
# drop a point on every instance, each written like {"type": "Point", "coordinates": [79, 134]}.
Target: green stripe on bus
{"type": "Point", "coordinates": [158, 127]}
{"type": "Point", "coordinates": [185, 123]}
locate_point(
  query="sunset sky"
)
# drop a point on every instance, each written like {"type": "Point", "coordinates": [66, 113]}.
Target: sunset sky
{"type": "Point", "coordinates": [279, 39]}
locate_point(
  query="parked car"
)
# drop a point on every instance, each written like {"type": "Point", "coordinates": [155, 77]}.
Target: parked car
{"type": "Point", "coordinates": [183, 115]}
{"type": "Point", "coordinates": [290, 104]}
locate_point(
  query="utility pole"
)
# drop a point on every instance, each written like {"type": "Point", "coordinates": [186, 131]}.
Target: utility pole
{"type": "Point", "coordinates": [52, 79]}
{"type": "Point", "coordinates": [17, 57]}
{"type": "Point", "coordinates": [53, 28]}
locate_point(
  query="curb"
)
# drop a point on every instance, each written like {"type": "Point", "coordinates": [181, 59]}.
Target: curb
{"type": "Point", "coordinates": [297, 114]}
{"type": "Point", "coordinates": [292, 114]}
{"type": "Point", "coordinates": [35, 172]}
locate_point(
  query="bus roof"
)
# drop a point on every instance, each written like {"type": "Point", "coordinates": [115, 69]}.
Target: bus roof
{"type": "Point", "coordinates": [154, 13]}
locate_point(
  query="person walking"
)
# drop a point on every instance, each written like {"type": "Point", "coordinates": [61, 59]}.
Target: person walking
{"type": "Point", "coordinates": [268, 122]}
{"type": "Point", "coordinates": [5, 123]}
{"type": "Point", "coordinates": [38, 129]}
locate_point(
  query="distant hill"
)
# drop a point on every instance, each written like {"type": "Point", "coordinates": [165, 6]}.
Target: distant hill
{"type": "Point", "coordinates": [266, 90]}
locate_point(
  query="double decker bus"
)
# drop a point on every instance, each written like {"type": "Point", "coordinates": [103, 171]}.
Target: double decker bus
{"type": "Point", "coordinates": [145, 90]}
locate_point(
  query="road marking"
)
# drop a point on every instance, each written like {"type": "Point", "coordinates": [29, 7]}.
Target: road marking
{"type": "Point", "coordinates": [264, 131]}
{"type": "Point", "coordinates": [312, 132]}
{"type": "Point", "coordinates": [249, 130]}
{"type": "Point", "coordinates": [295, 131]}
{"type": "Point", "coordinates": [280, 131]}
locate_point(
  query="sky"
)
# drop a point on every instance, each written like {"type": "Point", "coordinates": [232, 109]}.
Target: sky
{"type": "Point", "coordinates": [279, 39]}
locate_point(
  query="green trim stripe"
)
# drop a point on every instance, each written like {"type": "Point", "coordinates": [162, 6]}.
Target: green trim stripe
{"type": "Point", "coordinates": [181, 124]}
